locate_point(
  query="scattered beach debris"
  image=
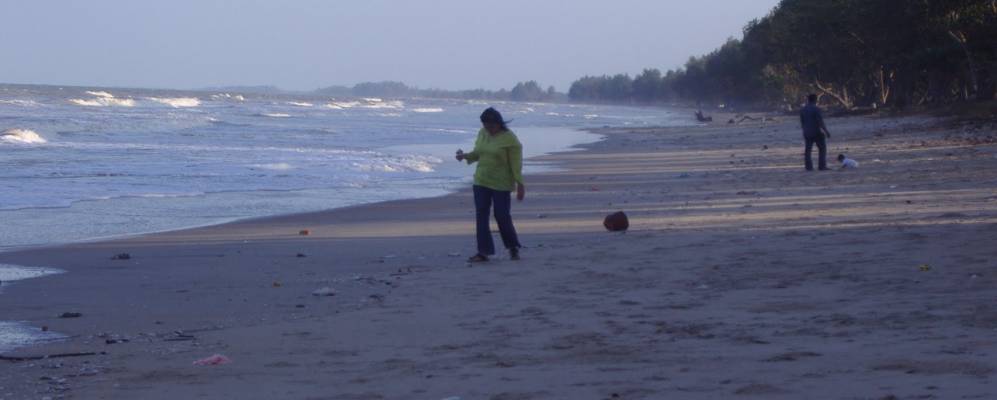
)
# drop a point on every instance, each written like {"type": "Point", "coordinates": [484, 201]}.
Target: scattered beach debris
{"type": "Point", "coordinates": [179, 336]}
{"type": "Point", "coordinates": [541, 216]}
{"type": "Point", "coordinates": [326, 291]}
{"type": "Point", "coordinates": [216, 359]}
{"type": "Point", "coordinates": [301, 255]}
{"type": "Point", "coordinates": [59, 355]}
{"type": "Point", "coordinates": [703, 117]}
{"type": "Point", "coordinates": [122, 256]}
{"type": "Point", "coordinates": [277, 284]}
{"type": "Point", "coordinates": [304, 232]}
{"type": "Point", "coordinates": [924, 267]}
{"type": "Point", "coordinates": [70, 315]}
{"type": "Point", "coordinates": [616, 222]}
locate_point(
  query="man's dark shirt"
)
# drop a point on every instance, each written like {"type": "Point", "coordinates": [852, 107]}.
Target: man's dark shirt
{"type": "Point", "coordinates": [812, 120]}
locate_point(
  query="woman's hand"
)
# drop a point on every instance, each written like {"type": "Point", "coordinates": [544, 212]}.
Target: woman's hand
{"type": "Point", "coordinates": [460, 155]}
{"type": "Point", "coordinates": [520, 191]}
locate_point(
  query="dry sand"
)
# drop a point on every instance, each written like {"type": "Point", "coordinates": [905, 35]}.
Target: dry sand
{"type": "Point", "coordinates": [742, 277]}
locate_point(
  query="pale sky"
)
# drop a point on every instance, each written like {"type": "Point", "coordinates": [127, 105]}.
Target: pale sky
{"type": "Point", "coordinates": [306, 44]}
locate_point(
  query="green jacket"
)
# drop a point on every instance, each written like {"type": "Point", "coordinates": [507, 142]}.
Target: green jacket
{"type": "Point", "coordinates": [500, 160]}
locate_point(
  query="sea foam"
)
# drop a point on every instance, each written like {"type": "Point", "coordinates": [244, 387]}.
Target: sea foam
{"type": "Point", "coordinates": [177, 102]}
{"type": "Point", "coordinates": [21, 136]}
{"type": "Point", "coordinates": [104, 102]}
{"type": "Point", "coordinates": [427, 110]}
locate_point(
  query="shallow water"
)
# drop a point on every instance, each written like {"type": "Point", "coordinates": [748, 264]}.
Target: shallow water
{"type": "Point", "coordinates": [15, 334]}
{"type": "Point", "coordinates": [80, 164]}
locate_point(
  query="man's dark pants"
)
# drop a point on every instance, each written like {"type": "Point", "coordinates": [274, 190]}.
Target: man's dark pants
{"type": "Point", "coordinates": [484, 198]}
{"type": "Point", "coordinates": [821, 152]}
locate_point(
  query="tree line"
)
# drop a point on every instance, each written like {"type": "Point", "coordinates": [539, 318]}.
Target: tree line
{"type": "Point", "coordinates": [852, 53]}
{"type": "Point", "coordinates": [522, 91]}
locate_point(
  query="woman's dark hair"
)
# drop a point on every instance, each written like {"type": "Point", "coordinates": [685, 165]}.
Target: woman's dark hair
{"type": "Point", "coordinates": [812, 98]}
{"type": "Point", "coordinates": [841, 157]}
{"type": "Point", "coordinates": [492, 116]}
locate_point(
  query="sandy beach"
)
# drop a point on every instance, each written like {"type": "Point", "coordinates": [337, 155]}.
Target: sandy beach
{"type": "Point", "coordinates": [742, 276]}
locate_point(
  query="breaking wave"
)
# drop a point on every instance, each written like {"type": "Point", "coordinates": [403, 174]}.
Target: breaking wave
{"type": "Point", "coordinates": [226, 96]}
{"type": "Point", "coordinates": [274, 166]}
{"type": "Point", "coordinates": [21, 136]}
{"type": "Point", "coordinates": [300, 104]}
{"type": "Point", "coordinates": [24, 103]}
{"type": "Point", "coordinates": [275, 115]}
{"type": "Point", "coordinates": [177, 102]}
{"type": "Point", "coordinates": [427, 110]}
{"type": "Point", "coordinates": [103, 101]}
{"type": "Point", "coordinates": [102, 94]}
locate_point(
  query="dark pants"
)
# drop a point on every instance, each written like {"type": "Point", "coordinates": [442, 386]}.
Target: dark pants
{"type": "Point", "coordinates": [821, 152]}
{"type": "Point", "coordinates": [484, 198]}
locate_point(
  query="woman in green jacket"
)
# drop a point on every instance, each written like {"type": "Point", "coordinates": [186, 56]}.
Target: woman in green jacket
{"type": "Point", "coordinates": [500, 171]}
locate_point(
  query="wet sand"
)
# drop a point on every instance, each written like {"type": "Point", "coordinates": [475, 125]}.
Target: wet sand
{"type": "Point", "coordinates": [742, 276]}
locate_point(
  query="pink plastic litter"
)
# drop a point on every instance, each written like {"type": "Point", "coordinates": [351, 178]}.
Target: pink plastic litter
{"type": "Point", "coordinates": [216, 359]}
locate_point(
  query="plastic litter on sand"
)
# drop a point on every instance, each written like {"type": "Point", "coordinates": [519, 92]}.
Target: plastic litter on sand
{"type": "Point", "coordinates": [216, 359]}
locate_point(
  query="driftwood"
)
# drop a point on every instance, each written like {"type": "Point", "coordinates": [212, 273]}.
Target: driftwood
{"type": "Point", "coordinates": [45, 357]}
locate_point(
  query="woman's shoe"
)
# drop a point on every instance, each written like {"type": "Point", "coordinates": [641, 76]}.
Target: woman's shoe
{"type": "Point", "coordinates": [478, 258]}
{"type": "Point", "coordinates": [514, 254]}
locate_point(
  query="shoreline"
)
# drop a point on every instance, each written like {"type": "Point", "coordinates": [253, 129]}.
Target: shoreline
{"type": "Point", "coordinates": [453, 188]}
{"type": "Point", "coordinates": [710, 294]}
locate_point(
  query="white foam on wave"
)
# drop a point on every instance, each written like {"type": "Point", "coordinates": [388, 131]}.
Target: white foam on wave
{"type": "Point", "coordinates": [274, 166]}
{"type": "Point", "coordinates": [394, 105]}
{"type": "Point", "coordinates": [276, 115]}
{"type": "Point", "coordinates": [226, 96]}
{"type": "Point", "coordinates": [427, 110]}
{"type": "Point", "coordinates": [10, 273]}
{"type": "Point", "coordinates": [300, 104]}
{"type": "Point", "coordinates": [421, 164]}
{"type": "Point", "coordinates": [177, 102]}
{"type": "Point", "coordinates": [101, 94]}
{"type": "Point", "coordinates": [22, 103]}
{"type": "Point", "coordinates": [342, 105]}
{"type": "Point", "coordinates": [590, 116]}
{"type": "Point", "coordinates": [21, 136]}
{"type": "Point", "coordinates": [104, 102]}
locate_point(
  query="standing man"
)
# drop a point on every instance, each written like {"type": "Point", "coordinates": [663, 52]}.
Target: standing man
{"type": "Point", "coordinates": [814, 132]}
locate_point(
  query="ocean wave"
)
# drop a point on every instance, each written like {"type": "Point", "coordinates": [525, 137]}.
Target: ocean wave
{"type": "Point", "coordinates": [226, 96]}
{"type": "Point", "coordinates": [300, 104]}
{"type": "Point", "coordinates": [104, 102]}
{"type": "Point", "coordinates": [342, 105]}
{"type": "Point", "coordinates": [427, 110]}
{"type": "Point", "coordinates": [399, 164]}
{"type": "Point", "coordinates": [10, 273]}
{"type": "Point", "coordinates": [23, 103]}
{"type": "Point", "coordinates": [21, 136]}
{"type": "Point", "coordinates": [273, 115]}
{"type": "Point", "coordinates": [394, 104]}
{"type": "Point", "coordinates": [177, 102]}
{"type": "Point", "coordinates": [101, 94]}
{"type": "Point", "coordinates": [274, 166]}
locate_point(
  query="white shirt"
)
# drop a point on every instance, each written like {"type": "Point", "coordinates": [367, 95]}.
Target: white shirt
{"type": "Point", "coordinates": [849, 163]}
